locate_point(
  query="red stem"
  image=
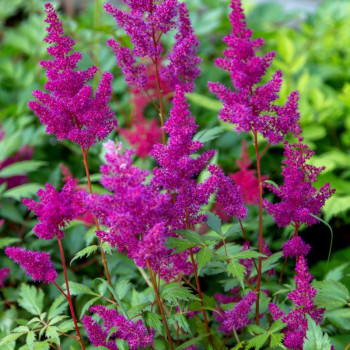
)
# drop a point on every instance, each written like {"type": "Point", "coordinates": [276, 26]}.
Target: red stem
{"type": "Point", "coordinates": [258, 286]}
{"type": "Point", "coordinates": [69, 297]}
{"type": "Point", "coordinates": [103, 255]}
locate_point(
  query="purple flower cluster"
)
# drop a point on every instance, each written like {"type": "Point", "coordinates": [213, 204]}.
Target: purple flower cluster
{"type": "Point", "coordinates": [69, 110]}
{"type": "Point", "coordinates": [135, 214]}
{"type": "Point", "coordinates": [295, 247]}
{"type": "Point", "coordinates": [145, 23]}
{"type": "Point", "coordinates": [299, 198]}
{"type": "Point", "coordinates": [303, 299]}
{"type": "Point", "coordinates": [251, 107]}
{"type": "Point", "coordinates": [238, 317]}
{"type": "Point", "coordinates": [4, 274]}
{"type": "Point", "coordinates": [178, 167]}
{"type": "Point", "coordinates": [135, 333]}
{"type": "Point", "coordinates": [36, 264]}
{"type": "Point", "coordinates": [56, 209]}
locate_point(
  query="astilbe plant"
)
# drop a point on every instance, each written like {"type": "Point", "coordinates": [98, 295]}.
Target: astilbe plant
{"type": "Point", "coordinates": [154, 216]}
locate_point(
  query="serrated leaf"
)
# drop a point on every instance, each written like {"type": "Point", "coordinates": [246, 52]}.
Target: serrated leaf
{"type": "Point", "coordinates": [191, 236]}
{"type": "Point", "coordinates": [331, 294]}
{"type": "Point", "coordinates": [236, 270]}
{"type": "Point", "coordinates": [107, 248]}
{"type": "Point", "coordinates": [78, 289]}
{"type": "Point", "coordinates": [86, 252]}
{"type": "Point", "coordinates": [268, 263]}
{"type": "Point", "coordinates": [10, 338]}
{"type": "Point", "coordinates": [20, 329]}
{"type": "Point", "coordinates": [30, 340]}
{"type": "Point", "coordinates": [253, 328]}
{"type": "Point", "coordinates": [66, 326]}
{"type": "Point", "coordinates": [257, 342]}
{"type": "Point", "coordinates": [232, 230]}
{"type": "Point", "coordinates": [337, 273]}
{"type": "Point", "coordinates": [214, 222]}
{"type": "Point", "coordinates": [57, 307]}
{"type": "Point", "coordinates": [35, 319]}
{"type": "Point", "coordinates": [182, 322]}
{"type": "Point", "coordinates": [52, 333]}
{"type": "Point", "coordinates": [21, 168]}
{"type": "Point", "coordinates": [179, 244]}
{"type": "Point", "coordinates": [173, 293]}
{"type": "Point", "coordinates": [277, 326]}
{"type": "Point", "coordinates": [137, 309]}
{"type": "Point", "coordinates": [57, 319]}
{"type": "Point", "coordinates": [44, 345]}
{"type": "Point", "coordinates": [154, 321]}
{"type": "Point", "coordinates": [276, 340]}
{"type": "Point", "coordinates": [315, 339]}
{"type": "Point", "coordinates": [203, 257]}
{"type": "Point", "coordinates": [7, 241]}
{"type": "Point", "coordinates": [111, 331]}
{"type": "Point", "coordinates": [31, 299]}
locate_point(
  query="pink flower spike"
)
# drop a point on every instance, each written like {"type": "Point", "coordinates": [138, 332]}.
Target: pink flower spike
{"type": "Point", "coordinates": [295, 247]}
{"type": "Point", "coordinates": [36, 264]}
{"type": "Point", "coordinates": [69, 109]}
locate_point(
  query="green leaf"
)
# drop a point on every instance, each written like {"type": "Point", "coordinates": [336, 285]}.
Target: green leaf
{"type": "Point", "coordinates": [337, 273]}
{"type": "Point", "coordinates": [236, 270]}
{"type": "Point", "coordinates": [7, 241]}
{"type": "Point", "coordinates": [20, 329]}
{"type": "Point", "coordinates": [66, 326]}
{"type": "Point", "coordinates": [57, 307]}
{"type": "Point", "coordinates": [122, 288]}
{"type": "Point", "coordinates": [154, 321]}
{"type": "Point", "coordinates": [44, 345]}
{"type": "Point", "coordinates": [207, 135]}
{"type": "Point", "coordinates": [22, 191]}
{"type": "Point", "coordinates": [10, 338]}
{"type": "Point", "coordinates": [232, 230]}
{"type": "Point", "coordinates": [78, 289]}
{"type": "Point", "coordinates": [268, 263]}
{"type": "Point", "coordinates": [193, 341]}
{"type": "Point", "coordinates": [214, 222]}
{"type": "Point", "coordinates": [339, 318]}
{"type": "Point", "coordinates": [30, 340]}
{"type": "Point", "coordinates": [331, 294]}
{"type": "Point", "coordinates": [86, 252]}
{"type": "Point", "coordinates": [122, 344]}
{"type": "Point", "coordinates": [276, 340]}
{"type": "Point", "coordinates": [57, 319]}
{"type": "Point", "coordinates": [21, 168]}
{"type": "Point", "coordinates": [182, 322]}
{"type": "Point", "coordinates": [257, 342]}
{"type": "Point", "coordinates": [52, 333]}
{"type": "Point", "coordinates": [247, 254]}
{"type": "Point", "coordinates": [277, 326]}
{"type": "Point", "coordinates": [10, 144]}
{"type": "Point", "coordinates": [203, 257]}
{"type": "Point", "coordinates": [315, 339]}
{"type": "Point", "coordinates": [87, 305]}
{"type": "Point", "coordinates": [173, 293]}
{"type": "Point", "coordinates": [191, 236]}
{"type": "Point", "coordinates": [179, 244]}
{"type": "Point", "coordinates": [111, 331]}
{"type": "Point", "coordinates": [114, 294]}
{"type": "Point", "coordinates": [31, 299]}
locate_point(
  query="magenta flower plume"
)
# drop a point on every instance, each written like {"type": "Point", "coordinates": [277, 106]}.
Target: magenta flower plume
{"type": "Point", "coordinates": [238, 317]}
{"type": "Point", "coordinates": [295, 247]}
{"type": "Point", "coordinates": [299, 198]}
{"type": "Point", "coordinates": [135, 214]}
{"type": "Point", "coordinates": [145, 23]}
{"type": "Point", "coordinates": [4, 274]}
{"type": "Point", "coordinates": [250, 107]}
{"type": "Point", "coordinates": [56, 209]}
{"type": "Point", "coordinates": [303, 299]}
{"type": "Point", "coordinates": [275, 311]}
{"type": "Point", "coordinates": [36, 264]}
{"type": "Point", "coordinates": [70, 110]}
{"type": "Point", "coordinates": [135, 333]}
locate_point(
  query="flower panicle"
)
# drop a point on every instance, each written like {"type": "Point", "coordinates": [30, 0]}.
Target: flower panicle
{"type": "Point", "coordinates": [36, 264]}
